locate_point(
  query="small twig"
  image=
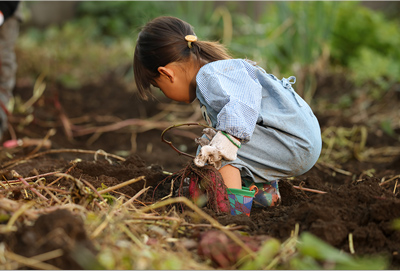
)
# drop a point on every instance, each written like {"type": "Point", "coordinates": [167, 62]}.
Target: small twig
{"type": "Point", "coordinates": [11, 131]}
{"type": "Point", "coordinates": [309, 190]}
{"type": "Point", "coordinates": [34, 177]}
{"type": "Point", "coordinates": [30, 262]}
{"type": "Point", "coordinates": [25, 159]}
{"type": "Point", "coordinates": [15, 174]}
{"type": "Point", "coordinates": [27, 142]}
{"type": "Point", "coordinates": [171, 190]}
{"type": "Point", "coordinates": [118, 186]}
{"type": "Point", "coordinates": [45, 142]}
{"type": "Point", "coordinates": [78, 131]}
{"type": "Point", "coordinates": [391, 179]}
{"type": "Point", "coordinates": [38, 90]}
{"type": "Point", "coordinates": [59, 178]}
{"type": "Point", "coordinates": [9, 184]}
{"type": "Point", "coordinates": [175, 126]}
{"type": "Point", "coordinates": [351, 244]}
{"type": "Point", "coordinates": [18, 188]}
{"type": "Point", "coordinates": [133, 142]}
{"type": "Point", "coordinates": [2, 185]}
{"type": "Point", "coordinates": [136, 196]}
{"type": "Point", "coordinates": [49, 255]}
{"type": "Point", "coordinates": [101, 152]}
{"type": "Point", "coordinates": [51, 189]}
{"type": "Point", "coordinates": [93, 138]}
{"type": "Point", "coordinates": [66, 123]}
{"type": "Point", "coordinates": [17, 214]}
{"type": "Point", "coordinates": [368, 172]}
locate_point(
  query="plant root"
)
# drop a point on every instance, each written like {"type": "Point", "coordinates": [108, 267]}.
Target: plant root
{"type": "Point", "coordinates": [207, 179]}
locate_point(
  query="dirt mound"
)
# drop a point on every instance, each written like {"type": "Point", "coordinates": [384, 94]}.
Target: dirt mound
{"type": "Point", "coordinates": [59, 232]}
{"type": "Point", "coordinates": [103, 174]}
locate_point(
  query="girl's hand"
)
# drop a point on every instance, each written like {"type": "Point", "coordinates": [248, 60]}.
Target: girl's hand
{"type": "Point", "coordinates": [221, 146]}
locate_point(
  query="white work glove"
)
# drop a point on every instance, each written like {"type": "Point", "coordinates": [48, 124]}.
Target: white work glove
{"type": "Point", "coordinates": [221, 146]}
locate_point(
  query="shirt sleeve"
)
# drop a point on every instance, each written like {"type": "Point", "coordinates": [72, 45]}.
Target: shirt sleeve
{"type": "Point", "coordinates": [232, 90]}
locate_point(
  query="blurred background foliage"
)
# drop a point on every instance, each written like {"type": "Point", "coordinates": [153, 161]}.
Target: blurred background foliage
{"type": "Point", "coordinates": [298, 38]}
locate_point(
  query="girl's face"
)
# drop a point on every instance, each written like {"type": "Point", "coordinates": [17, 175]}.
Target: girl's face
{"type": "Point", "coordinates": [178, 82]}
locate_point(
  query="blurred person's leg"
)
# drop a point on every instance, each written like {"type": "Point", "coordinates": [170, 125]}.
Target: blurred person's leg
{"type": "Point", "coordinates": [8, 64]}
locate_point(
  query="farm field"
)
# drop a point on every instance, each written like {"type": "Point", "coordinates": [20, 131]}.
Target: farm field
{"type": "Point", "coordinates": [92, 177]}
{"type": "Point", "coordinates": [71, 212]}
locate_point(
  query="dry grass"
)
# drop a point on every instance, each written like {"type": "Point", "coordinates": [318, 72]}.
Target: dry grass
{"type": "Point", "coordinates": [128, 233]}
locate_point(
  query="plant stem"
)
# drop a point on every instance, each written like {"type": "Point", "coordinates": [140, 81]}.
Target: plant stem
{"type": "Point", "coordinates": [175, 126]}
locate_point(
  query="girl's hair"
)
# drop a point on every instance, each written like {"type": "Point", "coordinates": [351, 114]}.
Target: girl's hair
{"type": "Point", "coordinates": [162, 41]}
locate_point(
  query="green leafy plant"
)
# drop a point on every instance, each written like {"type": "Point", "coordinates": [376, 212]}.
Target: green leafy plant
{"type": "Point", "coordinates": [367, 44]}
{"type": "Point", "coordinates": [69, 54]}
{"type": "Point", "coordinates": [290, 38]}
{"type": "Point", "coordinates": [308, 252]}
{"type": "Point", "coordinates": [316, 254]}
{"type": "Point", "coordinates": [303, 39]}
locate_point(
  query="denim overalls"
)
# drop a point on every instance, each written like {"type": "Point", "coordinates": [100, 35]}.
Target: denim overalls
{"type": "Point", "coordinates": [280, 134]}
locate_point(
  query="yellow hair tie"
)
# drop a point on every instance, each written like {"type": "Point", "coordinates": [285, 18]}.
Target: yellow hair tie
{"type": "Point", "coordinates": [190, 39]}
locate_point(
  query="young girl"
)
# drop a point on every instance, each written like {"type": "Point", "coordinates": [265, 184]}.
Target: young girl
{"type": "Point", "coordinates": [266, 131]}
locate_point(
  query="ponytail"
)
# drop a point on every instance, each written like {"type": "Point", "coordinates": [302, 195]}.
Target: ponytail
{"type": "Point", "coordinates": [210, 51]}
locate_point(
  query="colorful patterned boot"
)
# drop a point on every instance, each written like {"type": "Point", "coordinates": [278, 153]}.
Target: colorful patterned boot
{"type": "Point", "coordinates": [267, 195]}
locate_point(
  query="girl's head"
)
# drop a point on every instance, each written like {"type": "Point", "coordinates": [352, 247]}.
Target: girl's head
{"type": "Point", "coordinates": [161, 42]}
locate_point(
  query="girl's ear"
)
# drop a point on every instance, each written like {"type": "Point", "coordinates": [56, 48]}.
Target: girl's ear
{"type": "Point", "coordinates": [169, 73]}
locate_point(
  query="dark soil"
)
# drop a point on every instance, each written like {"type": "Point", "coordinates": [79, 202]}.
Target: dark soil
{"type": "Point", "coordinates": [57, 230]}
{"type": "Point", "coordinates": [356, 203]}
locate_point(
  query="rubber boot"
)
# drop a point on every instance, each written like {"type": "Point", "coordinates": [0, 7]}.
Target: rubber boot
{"type": "Point", "coordinates": [268, 194]}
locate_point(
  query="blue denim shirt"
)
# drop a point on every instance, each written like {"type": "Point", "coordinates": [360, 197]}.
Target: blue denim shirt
{"type": "Point", "coordinates": [237, 95]}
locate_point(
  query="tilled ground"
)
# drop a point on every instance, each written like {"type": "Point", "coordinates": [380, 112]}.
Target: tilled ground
{"type": "Point", "coordinates": [355, 198]}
